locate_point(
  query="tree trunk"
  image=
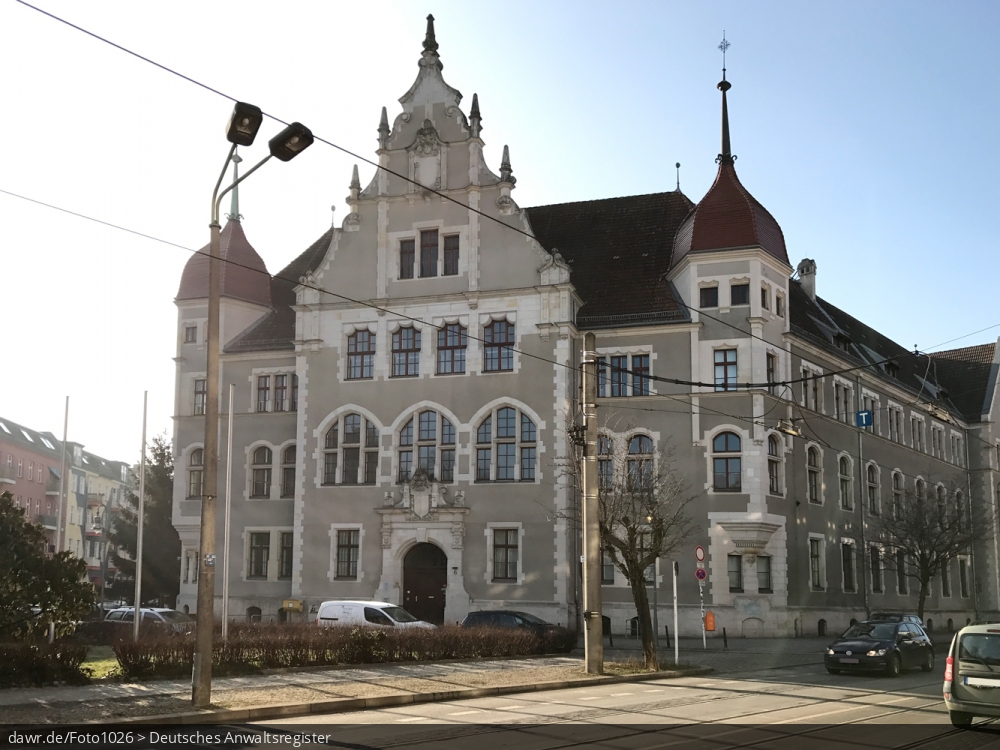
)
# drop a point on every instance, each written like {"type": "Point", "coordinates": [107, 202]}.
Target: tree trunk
{"type": "Point", "coordinates": [641, 600]}
{"type": "Point", "coordinates": [922, 599]}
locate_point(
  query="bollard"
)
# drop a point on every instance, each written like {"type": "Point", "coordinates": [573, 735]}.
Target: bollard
{"type": "Point", "coordinates": [666, 628]}
{"type": "Point", "coordinates": [725, 641]}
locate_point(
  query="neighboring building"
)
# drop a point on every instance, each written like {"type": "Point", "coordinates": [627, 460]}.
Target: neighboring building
{"type": "Point", "coordinates": [29, 471]}
{"type": "Point", "coordinates": [404, 389]}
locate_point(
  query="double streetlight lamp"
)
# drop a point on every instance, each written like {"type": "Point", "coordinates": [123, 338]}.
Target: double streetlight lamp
{"type": "Point", "coordinates": [289, 143]}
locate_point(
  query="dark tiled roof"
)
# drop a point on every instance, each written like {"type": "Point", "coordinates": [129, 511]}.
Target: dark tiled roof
{"type": "Point", "coordinates": [618, 250]}
{"type": "Point", "coordinates": [276, 330]}
{"type": "Point", "coordinates": [244, 277]}
{"type": "Point", "coordinates": [970, 377]}
{"type": "Point", "coordinates": [728, 217]}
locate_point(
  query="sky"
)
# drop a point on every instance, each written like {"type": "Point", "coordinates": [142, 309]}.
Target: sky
{"type": "Point", "coordinates": [866, 129]}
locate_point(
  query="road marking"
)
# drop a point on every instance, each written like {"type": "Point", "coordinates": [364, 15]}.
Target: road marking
{"type": "Point", "coordinates": [590, 698]}
{"type": "Point", "coordinates": [843, 710]}
{"type": "Point", "coordinates": [465, 713]}
{"type": "Point", "coordinates": [617, 695]}
{"type": "Point", "coordinates": [652, 691]}
{"type": "Point", "coordinates": [414, 718]}
{"type": "Point", "coordinates": [509, 708]}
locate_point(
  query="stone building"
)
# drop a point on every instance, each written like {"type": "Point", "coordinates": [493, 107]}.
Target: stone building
{"type": "Point", "coordinates": [404, 389]}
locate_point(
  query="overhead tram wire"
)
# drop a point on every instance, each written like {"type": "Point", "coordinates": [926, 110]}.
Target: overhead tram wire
{"type": "Point", "coordinates": [189, 79]}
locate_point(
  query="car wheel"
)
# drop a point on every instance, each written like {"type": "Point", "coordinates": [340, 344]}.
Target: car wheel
{"type": "Point", "coordinates": [928, 665]}
{"type": "Point", "coordinates": [894, 667]}
{"type": "Point", "coordinates": [960, 718]}
{"type": "Point", "coordinates": [831, 670]}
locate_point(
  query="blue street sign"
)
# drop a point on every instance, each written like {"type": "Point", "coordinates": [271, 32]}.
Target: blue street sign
{"type": "Point", "coordinates": [863, 418]}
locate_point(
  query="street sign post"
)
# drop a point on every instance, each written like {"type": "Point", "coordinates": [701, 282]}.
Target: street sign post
{"type": "Point", "coordinates": [677, 633]}
{"type": "Point", "coordinates": [701, 574]}
{"type": "Point", "coordinates": [701, 595]}
{"type": "Point", "coordinates": [699, 553]}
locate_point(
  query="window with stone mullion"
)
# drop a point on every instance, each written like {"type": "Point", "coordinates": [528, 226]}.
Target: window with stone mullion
{"type": "Point", "coordinates": [360, 355]}
{"type": "Point", "coordinates": [405, 353]}
{"type": "Point", "coordinates": [452, 343]}
{"type": "Point", "coordinates": [499, 349]}
{"type": "Point", "coordinates": [428, 252]}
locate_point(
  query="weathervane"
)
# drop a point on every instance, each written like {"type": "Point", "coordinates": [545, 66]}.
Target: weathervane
{"type": "Point", "coordinates": [723, 46]}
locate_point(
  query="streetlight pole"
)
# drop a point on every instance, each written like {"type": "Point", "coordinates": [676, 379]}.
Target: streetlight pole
{"type": "Point", "coordinates": [593, 621]}
{"type": "Point", "coordinates": [241, 131]}
{"type": "Point", "coordinates": [140, 522]}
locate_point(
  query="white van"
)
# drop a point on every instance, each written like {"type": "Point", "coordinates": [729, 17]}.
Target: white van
{"type": "Point", "coordinates": [367, 614]}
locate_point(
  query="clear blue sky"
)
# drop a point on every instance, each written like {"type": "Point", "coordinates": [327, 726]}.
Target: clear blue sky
{"type": "Point", "coordinates": [865, 128]}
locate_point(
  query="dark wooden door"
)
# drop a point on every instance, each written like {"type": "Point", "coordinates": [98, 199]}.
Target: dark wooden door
{"type": "Point", "coordinates": [425, 577]}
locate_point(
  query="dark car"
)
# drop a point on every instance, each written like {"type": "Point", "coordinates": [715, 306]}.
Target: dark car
{"type": "Point", "coordinates": [880, 646]}
{"type": "Point", "coordinates": [559, 637]}
{"type": "Point", "coordinates": [896, 617]}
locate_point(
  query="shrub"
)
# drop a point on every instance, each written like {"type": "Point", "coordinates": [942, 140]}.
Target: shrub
{"type": "Point", "coordinates": [23, 664]}
{"type": "Point", "coordinates": [251, 648]}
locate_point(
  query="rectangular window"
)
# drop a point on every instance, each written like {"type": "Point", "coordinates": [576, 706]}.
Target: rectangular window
{"type": "Point", "coordinates": [288, 481]}
{"type": "Point", "coordinates": [499, 351]}
{"type": "Point", "coordinates": [901, 573]}
{"type": "Point", "coordinates": [735, 567]}
{"type": "Point", "coordinates": [779, 305]}
{"type": "Point", "coordinates": [772, 371]}
{"type": "Point", "coordinates": [428, 252]}
{"type": "Point", "coordinates": [483, 460]}
{"type": "Point", "coordinates": [285, 555]}
{"type": "Point", "coordinates": [709, 296]}
{"type": "Point", "coordinates": [371, 467]}
{"type": "Point", "coordinates": [505, 554]}
{"type": "Point", "coordinates": [505, 462]}
{"type": "Point", "coordinates": [725, 370]}
{"type": "Point", "coordinates": [360, 355]}
{"type": "Point", "coordinates": [815, 559]}
{"type": "Point", "coordinates": [260, 550]}
{"type": "Point", "coordinates": [946, 577]}
{"type": "Point", "coordinates": [405, 465]}
{"type": "Point", "coordinates": [191, 335]}
{"type": "Point", "coordinates": [765, 298]}
{"type": "Point", "coordinates": [963, 577]}
{"type": "Point", "coordinates": [405, 353]}
{"type": "Point", "coordinates": [607, 568]}
{"type": "Point", "coordinates": [352, 459]}
{"type": "Point", "coordinates": [917, 433]}
{"type": "Point", "coordinates": [875, 553]}
{"type": "Point", "coordinates": [847, 560]}
{"type": "Point", "coordinates": [426, 454]}
{"type": "Point", "coordinates": [261, 483]}
{"type": "Point", "coordinates": [764, 575]}
{"type": "Point", "coordinates": [263, 392]}
{"type": "Point", "coordinates": [280, 392]}
{"type": "Point", "coordinates": [452, 342]}
{"type": "Point", "coordinates": [619, 376]}
{"type": "Point", "coordinates": [330, 468]}
{"type": "Point", "coordinates": [348, 542]}
{"type": "Point", "coordinates": [200, 396]}
{"type": "Point", "coordinates": [406, 259]}
{"type": "Point", "coordinates": [527, 464]}
{"type": "Point", "coordinates": [293, 402]}
{"type": "Point", "coordinates": [448, 465]}
{"type": "Point", "coordinates": [451, 255]}
{"type": "Point", "coordinates": [602, 380]}
{"type": "Point", "coordinates": [640, 374]}
{"type": "Point", "coordinates": [739, 294]}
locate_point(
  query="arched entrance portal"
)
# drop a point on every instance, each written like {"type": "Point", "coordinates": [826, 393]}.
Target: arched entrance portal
{"type": "Point", "coordinates": [425, 577]}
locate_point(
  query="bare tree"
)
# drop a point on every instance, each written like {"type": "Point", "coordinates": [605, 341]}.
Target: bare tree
{"type": "Point", "coordinates": [923, 530]}
{"type": "Point", "coordinates": [643, 513]}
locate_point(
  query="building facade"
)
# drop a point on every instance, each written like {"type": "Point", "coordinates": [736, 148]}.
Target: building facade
{"type": "Point", "coordinates": [404, 393]}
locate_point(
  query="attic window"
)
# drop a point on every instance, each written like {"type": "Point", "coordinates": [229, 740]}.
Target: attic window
{"type": "Point", "coordinates": [892, 369]}
{"type": "Point", "coordinates": [48, 444]}
{"type": "Point", "coordinates": [30, 439]}
{"type": "Point", "coordinates": [2, 425]}
{"type": "Point", "coordinates": [842, 342]}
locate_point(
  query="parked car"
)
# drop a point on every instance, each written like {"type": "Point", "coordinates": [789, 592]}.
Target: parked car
{"type": "Point", "coordinates": [972, 674]}
{"type": "Point", "coordinates": [880, 646]}
{"type": "Point", "coordinates": [558, 636]}
{"type": "Point", "coordinates": [168, 619]}
{"type": "Point", "coordinates": [896, 617]}
{"type": "Point", "coordinates": [370, 614]}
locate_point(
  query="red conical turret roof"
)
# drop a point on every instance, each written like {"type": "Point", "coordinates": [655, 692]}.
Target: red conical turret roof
{"type": "Point", "coordinates": [244, 275]}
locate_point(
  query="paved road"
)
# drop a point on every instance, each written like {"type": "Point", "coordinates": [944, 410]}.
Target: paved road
{"type": "Point", "coordinates": [785, 707]}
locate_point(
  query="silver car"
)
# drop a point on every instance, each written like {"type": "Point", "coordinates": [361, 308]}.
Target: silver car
{"type": "Point", "coordinates": [972, 674]}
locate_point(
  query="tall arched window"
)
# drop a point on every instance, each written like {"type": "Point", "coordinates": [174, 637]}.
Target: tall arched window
{"type": "Point", "coordinates": [874, 500]}
{"type": "Point", "coordinates": [360, 355]}
{"type": "Point", "coordinates": [497, 455]}
{"type": "Point", "coordinates": [774, 465]}
{"type": "Point", "coordinates": [846, 489]}
{"type": "Point", "coordinates": [727, 464]}
{"type": "Point", "coordinates": [196, 472]}
{"type": "Point", "coordinates": [605, 462]}
{"type": "Point", "coordinates": [288, 472]}
{"type": "Point", "coordinates": [261, 468]}
{"type": "Point", "coordinates": [350, 451]}
{"type": "Point", "coordinates": [499, 346]}
{"type": "Point", "coordinates": [897, 494]}
{"type": "Point", "coordinates": [432, 436]}
{"type": "Point", "coordinates": [942, 505]}
{"type": "Point", "coordinates": [921, 489]}
{"type": "Point", "coordinates": [813, 477]}
{"type": "Point", "coordinates": [452, 342]}
{"type": "Point", "coordinates": [406, 353]}
{"type": "Point", "coordinates": [960, 510]}
{"type": "Point", "coordinates": [640, 461]}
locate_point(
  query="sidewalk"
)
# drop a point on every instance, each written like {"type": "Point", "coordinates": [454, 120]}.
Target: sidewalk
{"type": "Point", "coordinates": [743, 654]}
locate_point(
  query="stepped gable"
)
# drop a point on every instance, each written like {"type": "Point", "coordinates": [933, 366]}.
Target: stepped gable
{"type": "Point", "coordinates": [618, 251]}
{"type": "Point", "coordinates": [244, 275]}
{"type": "Point", "coordinates": [276, 330]}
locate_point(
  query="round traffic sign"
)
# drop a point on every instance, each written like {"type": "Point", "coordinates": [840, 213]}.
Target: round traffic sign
{"type": "Point", "coordinates": [701, 574]}
{"type": "Point", "coordinates": [699, 553]}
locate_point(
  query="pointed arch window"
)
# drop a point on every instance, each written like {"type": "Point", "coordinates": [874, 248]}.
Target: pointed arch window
{"type": "Point", "coordinates": [360, 355]}
{"type": "Point", "coordinates": [874, 498]}
{"type": "Point", "coordinates": [846, 482]}
{"type": "Point", "coordinates": [814, 478]}
{"type": "Point", "coordinates": [727, 464]}
{"type": "Point", "coordinates": [261, 469]}
{"type": "Point", "coordinates": [430, 439]}
{"type": "Point", "coordinates": [499, 346]}
{"type": "Point", "coordinates": [288, 472]}
{"type": "Point", "coordinates": [350, 451]}
{"type": "Point", "coordinates": [196, 472]}
{"type": "Point", "coordinates": [510, 452]}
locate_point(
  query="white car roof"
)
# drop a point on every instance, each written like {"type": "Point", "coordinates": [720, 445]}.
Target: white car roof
{"type": "Point", "coordinates": [368, 603]}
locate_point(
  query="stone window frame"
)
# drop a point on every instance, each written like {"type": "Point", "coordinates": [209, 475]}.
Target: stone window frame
{"type": "Point", "coordinates": [818, 470]}
{"type": "Point", "coordinates": [413, 415]}
{"type": "Point", "coordinates": [871, 569]}
{"type": "Point", "coordinates": [821, 571]}
{"type": "Point", "coordinates": [394, 329]}
{"type": "Point", "coordinates": [439, 330]}
{"type": "Point", "coordinates": [488, 533]}
{"type": "Point", "coordinates": [895, 416]}
{"type": "Point", "coordinates": [320, 450]}
{"type": "Point", "coordinates": [708, 285]}
{"type": "Point", "coordinates": [271, 374]}
{"type": "Point", "coordinates": [742, 281]}
{"type": "Point", "coordinates": [875, 406]}
{"type": "Point", "coordinates": [394, 240]}
{"type": "Point", "coordinates": [779, 304]}
{"type": "Point", "coordinates": [251, 467]}
{"type": "Point", "coordinates": [877, 485]}
{"type": "Point", "coordinates": [710, 457]}
{"type": "Point", "coordinates": [847, 476]}
{"type": "Point", "coordinates": [191, 469]}
{"type": "Point", "coordinates": [922, 444]}
{"type": "Point", "coordinates": [957, 448]}
{"type": "Point", "coordinates": [849, 404]}
{"type": "Point", "coordinates": [604, 355]}
{"type": "Point", "coordinates": [776, 459]}
{"type": "Point", "coordinates": [284, 465]}
{"type": "Point", "coordinates": [274, 553]}
{"type": "Point", "coordinates": [849, 542]}
{"type": "Point", "coordinates": [472, 427]}
{"type": "Point", "coordinates": [331, 573]}
{"type": "Point", "coordinates": [812, 390]}
{"type": "Point", "coordinates": [373, 352]}
{"type": "Point", "coordinates": [766, 294]}
{"type": "Point", "coordinates": [897, 483]}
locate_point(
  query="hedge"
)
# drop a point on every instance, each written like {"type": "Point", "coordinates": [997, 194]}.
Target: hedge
{"type": "Point", "coordinates": [250, 649]}
{"type": "Point", "coordinates": [24, 664]}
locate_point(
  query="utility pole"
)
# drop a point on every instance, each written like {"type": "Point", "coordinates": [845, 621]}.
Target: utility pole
{"type": "Point", "coordinates": [592, 615]}
{"type": "Point", "coordinates": [140, 522]}
{"type": "Point", "coordinates": [225, 523]}
{"type": "Point", "coordinates": [677, 633]}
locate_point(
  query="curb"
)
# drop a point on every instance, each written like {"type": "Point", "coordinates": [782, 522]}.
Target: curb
{"type": "Point", "coordinates": [344, 705]}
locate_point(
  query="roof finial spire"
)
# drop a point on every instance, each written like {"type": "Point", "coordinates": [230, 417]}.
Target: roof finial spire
{"type": "Point", "coordinates": [475, 119]}
{"type": "Point", "coordinates": [234, 204]}
{"type": "Point", "coordinates": [678, 165]}
{"type": "Point", "coordinates": [726, 157]}
{"type": "Point", "coordinates": [383, 129]}
{"type": "Point", "coordinates": [506, 173]}
{"type": "Point", "coordinates": [430, 43]}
